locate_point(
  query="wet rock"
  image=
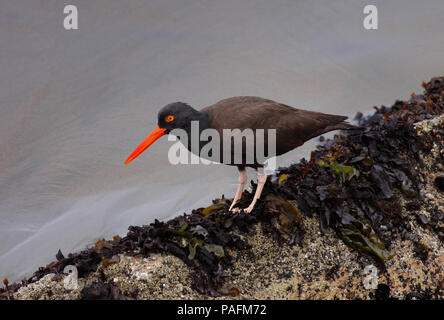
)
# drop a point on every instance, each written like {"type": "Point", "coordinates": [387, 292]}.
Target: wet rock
{"type": "Point", "coordinates": [423, 219]}
{"type": "Point", "coordinates": [439, 182]}
{"type": "Point", "coordinates": [352, 185]}
{"type": "Point", "coordinates": [101, 291]}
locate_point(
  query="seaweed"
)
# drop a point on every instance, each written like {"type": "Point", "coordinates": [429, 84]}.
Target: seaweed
{"type": "Point", "coordinates": [352, 182]}
{"type": "Point", "coordinates": [363, 241]}
{"type": "Point", "coordinates": [343, 173]}
{"type": "Point", "coordinates": [357, 175]}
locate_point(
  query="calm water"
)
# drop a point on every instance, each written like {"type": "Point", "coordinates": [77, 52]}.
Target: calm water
{"type": "Point", "coordinates": [74, 104]}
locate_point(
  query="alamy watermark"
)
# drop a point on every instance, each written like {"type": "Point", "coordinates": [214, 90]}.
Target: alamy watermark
{"type": "Point", "coordinates": [71, 280]}
{"type": "Point", "coordinates": [371, 277]}
{"type": "Point", "coordinates": [234, 146]}
{"type": "Point", "coordinates": [71, 20]}
{"type": "Point", "coordinates": [371, 19]}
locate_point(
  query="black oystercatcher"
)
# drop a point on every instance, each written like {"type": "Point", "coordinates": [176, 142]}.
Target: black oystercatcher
{"type": "Point", "coordinates": [293, 128]}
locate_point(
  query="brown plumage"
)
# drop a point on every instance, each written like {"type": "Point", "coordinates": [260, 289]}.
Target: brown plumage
{"type": "Point", "coordinates": [293, 128]}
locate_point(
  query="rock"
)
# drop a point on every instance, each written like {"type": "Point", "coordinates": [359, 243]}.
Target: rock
{"type": "Point", "coordinates": [439, 182]}
{"type": "Point", "coordinates": [102, 291]}
{"type": "Point", "coordinates": [279, 252]}
{"type": "Point", "coordinates": [422, 219]}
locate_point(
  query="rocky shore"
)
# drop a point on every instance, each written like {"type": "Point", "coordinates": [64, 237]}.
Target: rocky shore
{"type": "Point", "coordinates": [362, 219]}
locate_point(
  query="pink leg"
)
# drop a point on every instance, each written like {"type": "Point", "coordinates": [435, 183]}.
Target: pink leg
{"type": "Point", "coordinates": [242, 182]}
{"type": "Point", "coordinates": [261, 179]}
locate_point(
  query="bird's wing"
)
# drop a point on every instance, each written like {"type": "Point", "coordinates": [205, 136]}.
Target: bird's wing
{"type": "Point", "coordinates": [293, 126]}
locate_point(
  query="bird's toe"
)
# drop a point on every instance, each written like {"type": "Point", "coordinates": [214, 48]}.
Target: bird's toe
{"type": "Point", "coordinates": [249, 209]}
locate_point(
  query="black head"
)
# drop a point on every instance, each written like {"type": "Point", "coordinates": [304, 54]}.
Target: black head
{"type": "Point", "coordinates": [177, 115]}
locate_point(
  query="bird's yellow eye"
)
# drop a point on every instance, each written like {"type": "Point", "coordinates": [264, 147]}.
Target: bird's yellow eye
{"type": "Point", "coordinates": [169, 118]}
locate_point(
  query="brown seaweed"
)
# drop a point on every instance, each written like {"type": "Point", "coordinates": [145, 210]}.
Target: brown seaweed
{"type": "Point", "coordinates": [351, 182]}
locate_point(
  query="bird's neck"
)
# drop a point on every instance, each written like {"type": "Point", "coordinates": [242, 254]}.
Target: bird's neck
{"type": "Point", "coordinates": [202, 118]}
{"type": "Point", "coordinates": [203, 121]}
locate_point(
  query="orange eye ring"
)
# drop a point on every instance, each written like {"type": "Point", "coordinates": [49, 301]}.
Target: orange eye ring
{"type": "Point", "coordinates": [169, 118]}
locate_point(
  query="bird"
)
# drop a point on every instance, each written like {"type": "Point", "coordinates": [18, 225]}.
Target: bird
{"type": "Point", "coordinates": [293, 127]}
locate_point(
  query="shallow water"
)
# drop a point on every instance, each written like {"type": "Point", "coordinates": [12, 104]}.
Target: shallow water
{"type": "Point", "coordinates": [74, 104]}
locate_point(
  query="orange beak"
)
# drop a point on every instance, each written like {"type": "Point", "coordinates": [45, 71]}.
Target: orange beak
{"type": "Point", "coordinates": [156, 134]}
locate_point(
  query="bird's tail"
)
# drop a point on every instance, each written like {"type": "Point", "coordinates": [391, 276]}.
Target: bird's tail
{"type": "Point", "coordinates": [343, 125]}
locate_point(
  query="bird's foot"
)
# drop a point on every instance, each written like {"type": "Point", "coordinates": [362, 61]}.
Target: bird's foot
{"type": "Point", "coordinates": [238, 210]}
{"type": "Point", "coordinates": [249, 208]}
{"type": "Point", "coordinates": [242, 182]}
{"type": "Point", "coordinates": [234, 210]}
{"type": "Point", "coordinates": [231, 209]}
